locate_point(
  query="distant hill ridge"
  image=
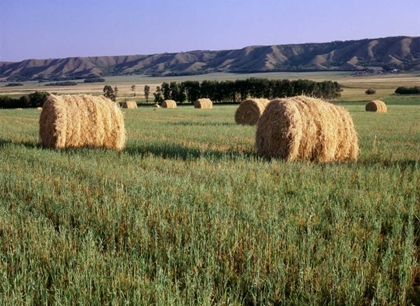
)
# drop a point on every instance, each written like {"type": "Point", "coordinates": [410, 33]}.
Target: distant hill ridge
{"type": "Point", "coordinates": [390, 52]}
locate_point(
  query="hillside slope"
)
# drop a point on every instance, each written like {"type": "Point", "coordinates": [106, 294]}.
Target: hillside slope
{"type": "Point", "coordinates": [392, 52]}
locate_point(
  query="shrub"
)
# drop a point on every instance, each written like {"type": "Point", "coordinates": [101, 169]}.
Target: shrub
{"type": "Point", "coordinates": [370, 91]}
{"type": "Point", "coordinates": [408, 90]}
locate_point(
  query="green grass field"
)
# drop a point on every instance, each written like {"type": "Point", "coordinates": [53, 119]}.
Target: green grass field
{"type": "Point", "coordinates": [188, 214]}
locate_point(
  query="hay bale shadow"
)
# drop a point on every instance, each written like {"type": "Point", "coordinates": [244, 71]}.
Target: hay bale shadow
{"type": "Point", "coordinates": [176, 151]}
{"type": "Point", "coordinates": [27, 144]}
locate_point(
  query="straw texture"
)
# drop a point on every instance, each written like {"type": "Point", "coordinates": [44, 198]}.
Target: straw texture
{"type": "Point", "coordinates": [249, 111]}
{"type": "Point", "coordinates": [304, 128]}
{"type": "Point", "coordinates": [376, 106]}
{"type": "Point", "coordinates": [74, 121]}
{"type": "Point", "coordinates": [168, 104]}
{"type": "Point", "coordinates": [129, 104]}
{"type": "Point", "coordinates": [203, 103]}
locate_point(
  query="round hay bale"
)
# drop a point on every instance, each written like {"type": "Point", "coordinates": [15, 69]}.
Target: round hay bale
{"type": "Point", "coordinates": [129, 104]}
{"type": "Point", "coordinates": [168, 104]}
{"type": "Point", "coordinates": [249, 111]}
{"type": "Point", "coordinates": [203, 103]}
{"type": "Point", "coordinates": [304, 128]}
{"type": "Point", "coordinates": [156, 105]}
{"type": "Point", "coordinates": [39, 108]}
{"type": "Point", "coordinates": [74, 121]}
{"type": "Point", "coordinates": [376, 106]}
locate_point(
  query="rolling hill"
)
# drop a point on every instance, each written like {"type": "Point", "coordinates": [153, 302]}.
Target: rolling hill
{"type": "Point", "coordinates": [390, 52]}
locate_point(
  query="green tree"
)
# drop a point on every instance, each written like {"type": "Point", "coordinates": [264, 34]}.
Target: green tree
{"type": "Point", "coordinates": [158, 95]}
{"type": "Point", "coordinates": [109, 93]}
{"type": "Point", "coordinates": [192, 89]}
{"type": "Point", "coordinates": [242, 88]}
{"type": "Point", "coordinates": [166, 91]}
{"type": "Point", "coordinates": [146, 92]}
{"type": "Point", "coordinates": [182, 96]}
{"type": "Point", "coordinates": [37, 98]}
{"type": "Point", "coordinates": [174, 88]}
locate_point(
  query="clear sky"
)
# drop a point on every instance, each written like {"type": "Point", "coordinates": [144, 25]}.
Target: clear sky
{"type": "Point", "coordinates": [41, 29]}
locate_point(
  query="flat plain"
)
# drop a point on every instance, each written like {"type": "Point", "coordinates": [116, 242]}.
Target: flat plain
{"type": "Point", "coordinates": [188, 214]}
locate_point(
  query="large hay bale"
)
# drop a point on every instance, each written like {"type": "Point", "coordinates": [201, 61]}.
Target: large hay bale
{"type": "Point", "coordinates": [129, 104]}
{"type": "Point", "coordinates": [168, 104]}
{"type": "Point", "coordinates": [203, 103]}
{"type": "Point", "coordinates": [307, 129]}
{"type": "Point", "coordinates": [74, 121]}
{"type": "Point", "coordinates": [249, 111]}
{"type": "Point", "coordinates": [376, 106]}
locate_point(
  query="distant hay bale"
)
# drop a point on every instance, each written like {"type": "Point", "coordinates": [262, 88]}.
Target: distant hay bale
{"type": "Point", "coordinates": [74, 121]}
{"type": "Point", "coordinates": [303, 128]}
{"type": "Point", "coordinates": [168, 104]}
{"type": "Point", "coordinates": [129, 104]}
{"type": "Point", "coordinates": [39, 108]}
{"type": "Point", "coordinates": [376, 106]}
{"type": "Point", "coordinates": [203, 103]}
{"type": "Point", "coordinates": [249, 111]}
{"type": "Point", "coordinates": [156, 105]}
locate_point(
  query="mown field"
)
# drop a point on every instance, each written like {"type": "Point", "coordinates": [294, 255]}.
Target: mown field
{"type": "Point", "coordinates": [188, 214]}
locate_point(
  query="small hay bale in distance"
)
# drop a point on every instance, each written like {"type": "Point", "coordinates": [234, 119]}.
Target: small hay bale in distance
{"type": "Point", "coordinates": [304, 128]}
{"type": "Point", "coordinates": [156, 105]}
{"type": "Point", "coordinates": [74, 121]}
{"type": "Point", "coordinates": [169, 104]}
{"type": "Point", "coordinates": [39, 108]}
{"type": "Point", "coordinates": [129, 104]}
{"type": "Point", "coordinates": [249, 111]}
{"type": "Point", "coordinates": [377, 106]}
{"type": "Point", "coordinates": [203, 103]}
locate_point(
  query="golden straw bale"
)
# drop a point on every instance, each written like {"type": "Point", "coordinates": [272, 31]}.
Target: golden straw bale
{"type": "Point", "coordinates": [348, 145]}
{"type": "Point", "coordinates": [249, 111]}
{"type": "Point", "coordinates": [203, 103]}
{"type": "Point", "coordinates": [156, 105]}
{"type": "Point", "coordinates": [304, 128]}
{"type": "Point", "coordinates": [376, 106]}
{"type": "Point", "coordinates": [74, 121]}
{"type": "Point", "coordinates": [39, 108]}
{"type": "Point", "coordinates": [168, 104]}
{"type": "Point", "coordinates": [129, 104]}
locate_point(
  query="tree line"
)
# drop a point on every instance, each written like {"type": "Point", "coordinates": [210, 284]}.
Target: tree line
{"type": "Point", "coordinates": [402, 90]}
{"type": "Point", "coordinates": [239, 90]}
{"type": "Point", "coordinates": [35, 99]}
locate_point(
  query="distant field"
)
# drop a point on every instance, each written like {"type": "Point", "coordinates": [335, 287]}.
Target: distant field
{"type": "Point", "coordinates": [354, 86]}
{"type": "Point", "coordinates": [188, 214]}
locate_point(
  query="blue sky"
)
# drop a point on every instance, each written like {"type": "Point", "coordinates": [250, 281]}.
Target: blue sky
{"type": "Point", "coordinates": [40, 29]}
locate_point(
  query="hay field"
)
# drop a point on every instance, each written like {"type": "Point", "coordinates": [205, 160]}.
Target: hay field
{"type": "Point", "coordinates": [188, 214]}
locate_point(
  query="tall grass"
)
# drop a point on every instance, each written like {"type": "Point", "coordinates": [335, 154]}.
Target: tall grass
{"type": "Point", "coordinates": [189, 215]}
